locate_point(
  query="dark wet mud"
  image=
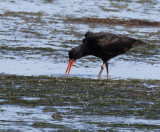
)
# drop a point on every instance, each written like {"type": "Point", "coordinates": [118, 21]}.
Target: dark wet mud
{"type": "Point", "coordinates": [75, 104]}
{"type": "Point", "coordinates": [112, 21]}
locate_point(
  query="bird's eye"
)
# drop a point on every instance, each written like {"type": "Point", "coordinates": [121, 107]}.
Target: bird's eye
{"type": "Point", "coordinates": [74, 53]}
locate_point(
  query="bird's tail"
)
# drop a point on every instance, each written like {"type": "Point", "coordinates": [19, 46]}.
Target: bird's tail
{"type": "Point", "coordinates": [138, 42]}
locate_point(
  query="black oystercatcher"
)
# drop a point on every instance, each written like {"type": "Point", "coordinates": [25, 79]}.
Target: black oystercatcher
{"type": "Point", "coordinates": [102, 45]}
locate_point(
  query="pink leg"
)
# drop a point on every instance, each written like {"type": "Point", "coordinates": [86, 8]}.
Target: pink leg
{"type": "Point", "coordinates": [107, 70]}
{"type": "Point", "coordinates": [102, 67]}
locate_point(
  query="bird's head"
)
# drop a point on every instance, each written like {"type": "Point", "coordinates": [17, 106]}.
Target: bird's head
{"type": "Point", "coordinates": [74, 54]}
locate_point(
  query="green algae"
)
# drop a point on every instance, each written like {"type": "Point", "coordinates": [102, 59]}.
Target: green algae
{"type": "Point", "coordinates": [131, 93]}
{"type": "Point", "coordinates": [21, 13]}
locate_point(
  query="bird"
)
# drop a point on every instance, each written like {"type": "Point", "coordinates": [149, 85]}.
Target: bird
{"type": "Point", "coordinates": [104, 45]}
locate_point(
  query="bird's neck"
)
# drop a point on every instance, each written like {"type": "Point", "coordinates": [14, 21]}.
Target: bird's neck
{"type": "Point", "coordinates": [82, 50]}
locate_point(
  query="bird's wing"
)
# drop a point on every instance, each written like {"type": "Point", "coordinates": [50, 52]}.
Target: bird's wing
{"type": "Point", "coordinates": [109, 43]}
{"type": "Point", "coordinates": [115, 44]}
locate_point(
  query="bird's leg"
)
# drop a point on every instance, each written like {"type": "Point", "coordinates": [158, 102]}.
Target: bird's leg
{"type": "Point", "coordinates": [102, 67]}
{"type": "Point", "coordinates": [107, 69]}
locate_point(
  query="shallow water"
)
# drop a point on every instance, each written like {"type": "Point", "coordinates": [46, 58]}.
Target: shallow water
{"type": "Point", "coordinates": [118, 69]}
{"type": "Point", "coordinates": [35, 39]}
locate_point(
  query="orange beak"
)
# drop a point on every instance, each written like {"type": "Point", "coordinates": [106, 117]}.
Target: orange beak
{"type": "Point", "coordinates": [69, 66]}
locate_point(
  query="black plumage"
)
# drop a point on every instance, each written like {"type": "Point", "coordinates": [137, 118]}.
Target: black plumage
{"type": "Point", "coordinates": [102, 45]}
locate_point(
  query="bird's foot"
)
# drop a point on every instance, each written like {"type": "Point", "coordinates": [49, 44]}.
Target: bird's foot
{"type": "Point", "coordinates": [107, 75]}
